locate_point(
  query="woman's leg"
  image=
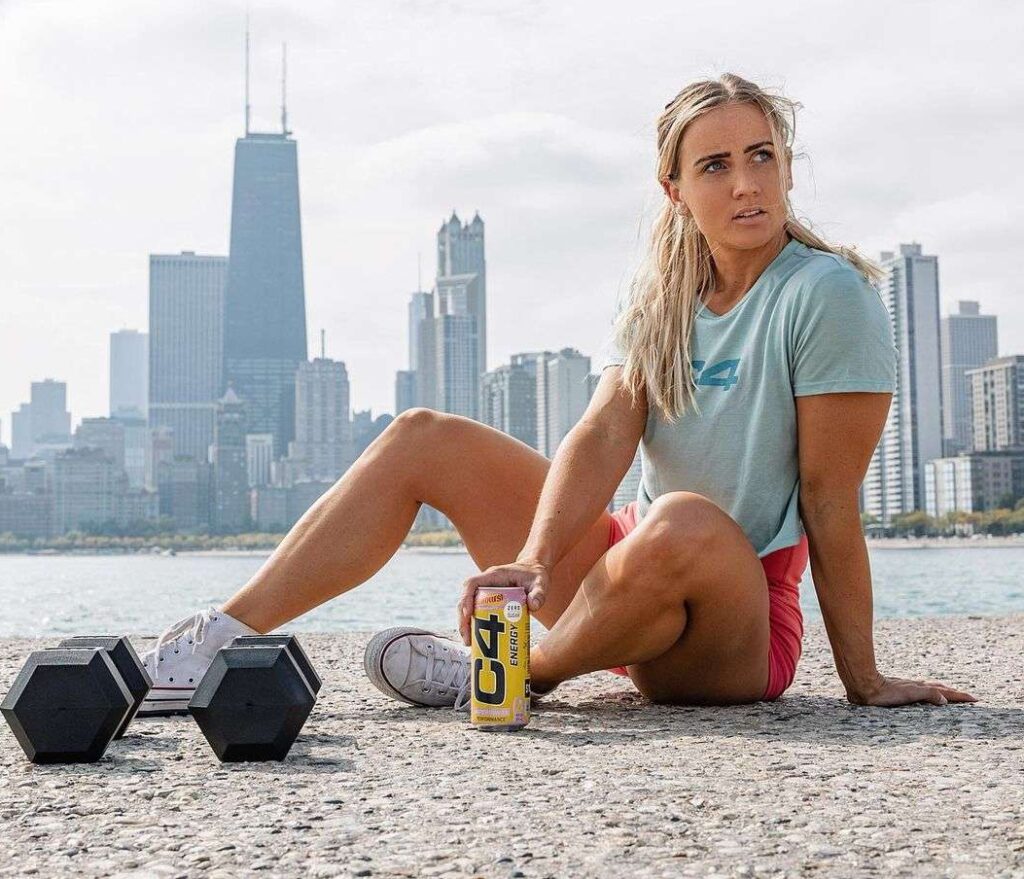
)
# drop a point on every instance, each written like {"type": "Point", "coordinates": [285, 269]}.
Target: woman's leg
{"type": "Point", "coordinates": [485, 481]}
{"type": "Point", "coordinates": [681, 601]}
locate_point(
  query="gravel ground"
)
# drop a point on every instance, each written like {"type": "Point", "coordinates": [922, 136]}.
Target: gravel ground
{"type": "Point", "coordinates": [601, 783]}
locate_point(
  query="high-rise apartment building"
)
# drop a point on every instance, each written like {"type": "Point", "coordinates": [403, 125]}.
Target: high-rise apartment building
{"type": "Point", "coordinates": [895, 481]}
{"type": "Point", "coordinates": [259, 458]}
{"type": "Point", "coordinates": [969, 340]}
{"type": "Point", "coordinates": [997, 401]}
{"type": "Point", "coordinates": [323, 424]}
{"type": "Point", "coordinates": [129, 374]}
{"type": "Point", "coordinates": [508, 399]}
{"type": "Point", "coordinates": [105, 434]}
{"type": "Point", "coordinates": [457, 375]}
{"type": "Point", "coordinates": [51, 421]}
{"type": "Point", "coordinates": [230, 471]}
{"type": "Point", "coordinates": [21, 432]}
{"type": "Point", "coordinates": [405, 390]}
{"type": "Point", "coordinates": [186, 370]}
{"type": "Point", "coordinates": [563, 393]}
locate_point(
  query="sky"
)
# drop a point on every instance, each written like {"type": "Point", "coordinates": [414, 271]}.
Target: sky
{"type": "Point", "coordinates": [119, 122]}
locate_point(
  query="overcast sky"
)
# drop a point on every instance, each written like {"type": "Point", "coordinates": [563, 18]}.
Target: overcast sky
{"type": "Point", "coordinates": [119, 121]}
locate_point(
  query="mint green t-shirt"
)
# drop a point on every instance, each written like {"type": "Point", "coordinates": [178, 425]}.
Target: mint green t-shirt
{"type": "Point", "coordinates": [810, 324]}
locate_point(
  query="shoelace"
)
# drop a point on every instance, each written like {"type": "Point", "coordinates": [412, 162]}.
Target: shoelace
{"type": "Point", "coordinates": [462, 700]}
{"type": "Point", "coordinates": [447, 672]}
{"type": "Point", "coordinates": [194, 626]}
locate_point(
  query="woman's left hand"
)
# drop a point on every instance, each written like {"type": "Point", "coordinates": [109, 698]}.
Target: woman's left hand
{"type": "Point", "coordinates": [888, 692]}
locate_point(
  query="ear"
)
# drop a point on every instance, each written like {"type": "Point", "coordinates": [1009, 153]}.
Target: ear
{"type": "Point", "coordinates": [672, 191]}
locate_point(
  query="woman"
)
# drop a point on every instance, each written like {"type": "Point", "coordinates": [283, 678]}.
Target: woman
{"type": "Point", "coordinates": [753, 365]}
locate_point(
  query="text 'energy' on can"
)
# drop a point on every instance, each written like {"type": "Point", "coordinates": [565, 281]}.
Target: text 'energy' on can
{"type": "Point", "coordinates": [500, 659]}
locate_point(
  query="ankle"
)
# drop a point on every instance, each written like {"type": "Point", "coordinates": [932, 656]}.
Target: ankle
{"type": "Point", "coordinates": [239, 616]}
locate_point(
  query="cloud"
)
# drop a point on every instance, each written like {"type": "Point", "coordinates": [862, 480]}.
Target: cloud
{"type": "Point", "coordinates": [540, 115]}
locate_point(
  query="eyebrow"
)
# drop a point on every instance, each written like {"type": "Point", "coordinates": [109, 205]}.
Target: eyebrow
{"type": "Point", "coordinates": [753, 146]}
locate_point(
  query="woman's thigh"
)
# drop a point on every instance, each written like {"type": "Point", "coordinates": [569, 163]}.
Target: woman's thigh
{"type": "Point", "coordinates": [488, 483]}
{"type": "Point", "coordinates": [721, 657]}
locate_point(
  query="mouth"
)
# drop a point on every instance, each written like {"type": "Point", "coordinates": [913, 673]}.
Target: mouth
{"type": "Point", "coordinates": [748, 214]}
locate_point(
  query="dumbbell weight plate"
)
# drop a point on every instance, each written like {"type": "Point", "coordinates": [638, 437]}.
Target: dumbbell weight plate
{"type": "Point", "coordinates": [294, 648]}
{"type": "Point", "coordinates": [127, 662]}
{"type": "Point", "coordinates": [66, 704]}
{"type": "Point", "coordinates": [251, 703]}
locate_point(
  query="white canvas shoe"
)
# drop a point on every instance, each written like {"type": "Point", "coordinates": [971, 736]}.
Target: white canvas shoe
{"type": "Point", "coordinates": [180, 657]}
{"type": "Point", "coordinates": [419, 667]}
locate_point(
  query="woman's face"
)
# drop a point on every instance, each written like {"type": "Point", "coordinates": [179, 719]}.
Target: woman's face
{"type": "Point", "coordinates": [728, 166]}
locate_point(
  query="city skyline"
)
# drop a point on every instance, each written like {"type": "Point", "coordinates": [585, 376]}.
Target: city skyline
{"type": "Point", "coordinates": [561, 175]}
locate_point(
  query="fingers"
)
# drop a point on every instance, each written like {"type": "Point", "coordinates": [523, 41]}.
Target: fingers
{"type": "Point", "coordinates": [951, 694]}
{"type": "Point", "coordinates": [535, 596]}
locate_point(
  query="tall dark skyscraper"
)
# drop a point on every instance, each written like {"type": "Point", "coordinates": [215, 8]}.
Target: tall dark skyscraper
{"type": "Point", "coordinates": [265, 302]}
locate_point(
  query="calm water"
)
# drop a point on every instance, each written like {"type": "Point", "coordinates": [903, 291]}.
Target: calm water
{"type": "Point", "coordinates": [56, 595]}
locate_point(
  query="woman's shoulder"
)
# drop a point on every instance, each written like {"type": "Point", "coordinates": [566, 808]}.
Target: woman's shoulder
{"type": "Point", "coordinates": [813, 265]}
{"type": "Point", "coordinates": [821, 278]}
{"type": "Point", "coordinates": [826, 289]}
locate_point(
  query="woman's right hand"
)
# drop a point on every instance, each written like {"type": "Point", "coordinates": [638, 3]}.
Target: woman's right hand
{"type": "Point", "coordinates": [532, 576]}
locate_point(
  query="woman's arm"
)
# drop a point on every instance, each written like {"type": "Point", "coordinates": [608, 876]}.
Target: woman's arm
{"type": "Point", "coordinates": [584, 473]}
{"type": "Point", "coordinates": [589, 464]}
{"type": "Point", "coordinates": [837, 434]}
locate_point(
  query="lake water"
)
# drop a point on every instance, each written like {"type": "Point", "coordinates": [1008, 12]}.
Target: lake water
{"type": "Point", "coordinates": [59, 595]}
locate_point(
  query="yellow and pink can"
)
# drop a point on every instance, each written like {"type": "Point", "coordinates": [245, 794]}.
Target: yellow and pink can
{"type": "Point", "coordinates": [500, 659]}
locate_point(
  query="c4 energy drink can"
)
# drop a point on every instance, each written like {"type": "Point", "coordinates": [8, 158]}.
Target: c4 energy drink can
{"type": "Point", "coordinates": [500, 659]}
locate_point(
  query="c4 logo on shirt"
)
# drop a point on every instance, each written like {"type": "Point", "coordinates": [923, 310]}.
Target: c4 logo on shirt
{"type": "Point", "coordinates": [721, 374]}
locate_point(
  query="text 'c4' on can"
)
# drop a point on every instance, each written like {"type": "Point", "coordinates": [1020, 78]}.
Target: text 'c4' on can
{"type": "Point", "coordinates": [500, 659]}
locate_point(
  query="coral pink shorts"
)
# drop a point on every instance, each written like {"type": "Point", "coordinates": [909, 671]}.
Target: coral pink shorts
{"type": "Point", "coordinates": [783, 570]}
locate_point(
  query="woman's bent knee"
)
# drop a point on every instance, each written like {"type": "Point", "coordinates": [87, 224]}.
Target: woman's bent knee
{"type": "Point", "coordinates": [681, 528]}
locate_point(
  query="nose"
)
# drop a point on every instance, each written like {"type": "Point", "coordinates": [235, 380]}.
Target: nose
{"type": "Point", "coordinates": [745, 183]}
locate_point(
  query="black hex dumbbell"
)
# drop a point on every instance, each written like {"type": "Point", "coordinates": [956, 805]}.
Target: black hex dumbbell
{"type": "Point", "coordinates": [294, 648]}
{"type": "Point", "coordinates": [127, 662]}
{"type": "Point", "coordinates": [252, 702]}
{"type": "Point", "coordinates": [66, 704]}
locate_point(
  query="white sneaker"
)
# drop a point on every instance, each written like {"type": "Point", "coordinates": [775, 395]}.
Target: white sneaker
{"type": "Point", "coordinates": [180, 657]}
{"type": "Point", "coordinates": [419, 667]}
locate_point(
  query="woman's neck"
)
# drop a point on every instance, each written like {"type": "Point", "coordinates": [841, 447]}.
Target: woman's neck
{"type": "Point", "coordinates": [737, 270]}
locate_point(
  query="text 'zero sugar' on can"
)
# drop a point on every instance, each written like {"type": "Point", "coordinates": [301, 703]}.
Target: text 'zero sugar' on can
{"type": "Point", "coordinates": [500, 659]}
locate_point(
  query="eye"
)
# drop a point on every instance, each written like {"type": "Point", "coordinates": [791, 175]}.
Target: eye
{"type": "Point", "coordinates": [707, 167]}
{"type": "Point", "coordinates": [768, 153]}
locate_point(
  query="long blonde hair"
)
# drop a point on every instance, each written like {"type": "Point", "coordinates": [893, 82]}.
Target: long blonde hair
{"type": "Point", "coordinates": [653, 330]}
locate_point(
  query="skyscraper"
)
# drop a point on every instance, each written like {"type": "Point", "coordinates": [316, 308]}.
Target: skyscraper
{"type": "Point", "coordinates": [895, 481]}
{"type": "Point", "coordinates": [968, 341]}
{"type": "Point", "coordinates": [457, 387]}
{"type": "Point", "coordinates": [51, 421]}
{"type": "Point", "coordinates": [186, 310]}
{"type": "Point", "coordinates": [997, 397]}
{"type": "Point", "coordinates": [508, 399]}
{"type": "Point", "coordinates": [323, 425]}
{"type": "Point", "coordinates": [421, 307]}
{"type": "Point", "coordinates": [129, 374]}
{"type": "Point", "coordinates": [22, 445]}
{"type": "Point", "coordinates": [405, 390]}
{"type": "Point", "coordinates": [231, 473]}
{"type": "Point", "coordinates": [460, 253]}
{"type": "Point", "coordinates": [265, 307]}
{"type": "Point", "coordinates": [563, 393]}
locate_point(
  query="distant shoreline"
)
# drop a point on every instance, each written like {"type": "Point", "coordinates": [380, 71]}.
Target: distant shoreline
{"type": "Point", "coordinates": [981, 542]}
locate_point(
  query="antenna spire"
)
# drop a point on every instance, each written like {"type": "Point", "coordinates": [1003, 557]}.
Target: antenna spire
{"type": "Point", "coordinates": [247, 73]}
{"type": "Point", "coordinates": [323, 344]}
{"type": "Point", "coordinates": [284, 89]}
